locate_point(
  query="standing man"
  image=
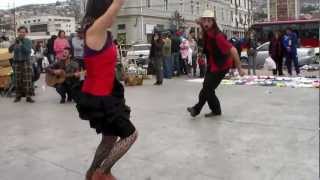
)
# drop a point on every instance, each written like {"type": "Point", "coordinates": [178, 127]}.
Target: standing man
{"type": "Point", "coordinates": [290, 42]}
{"type": "Point", "coordinates": [156, 56]}
{"type": "Point", "coordinates": [22, 65]}
{"type": "Point", "coordinates": [167, 68]}
{"type": "Point", "coordinates": [220, 56]}
{"type": "Point", "coordinates": [50, 50]}
{"type": "Point", "coordinates": [175, 50]}
{"type": "Point", "coordinates": [77, 45]}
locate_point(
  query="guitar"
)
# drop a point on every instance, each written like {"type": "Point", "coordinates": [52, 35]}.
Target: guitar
{"type": "Point", "coordinates": [59, 77]}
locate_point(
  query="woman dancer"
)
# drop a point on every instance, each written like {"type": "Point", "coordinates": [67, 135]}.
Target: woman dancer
{"type": "Point", "coordinates": [101, 99]}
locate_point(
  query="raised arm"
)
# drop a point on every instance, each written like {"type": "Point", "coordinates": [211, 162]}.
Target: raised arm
{"type": "Point", "coordinates": [96, 35]}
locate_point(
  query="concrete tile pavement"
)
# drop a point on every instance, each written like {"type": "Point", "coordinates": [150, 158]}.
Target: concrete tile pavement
{"type": "Point", "coordinates": [264, 134]}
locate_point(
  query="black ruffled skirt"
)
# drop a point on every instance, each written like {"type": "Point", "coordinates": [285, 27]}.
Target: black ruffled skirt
{"type": "Point", "coordinates": [108, 115]}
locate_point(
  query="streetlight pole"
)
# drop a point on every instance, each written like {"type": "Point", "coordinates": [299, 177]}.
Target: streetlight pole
{"type": "Point", "coordinates": [14, 18]}
{"type": "Point", "coordinates": [142, 21]}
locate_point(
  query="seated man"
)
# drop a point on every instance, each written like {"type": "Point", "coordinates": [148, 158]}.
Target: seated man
{"type": "Point", "coordinates": [70, 69]}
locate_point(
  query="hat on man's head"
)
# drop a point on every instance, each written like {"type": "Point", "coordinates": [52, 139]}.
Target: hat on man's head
{"type": "Point", "coordinates": [208, 14]}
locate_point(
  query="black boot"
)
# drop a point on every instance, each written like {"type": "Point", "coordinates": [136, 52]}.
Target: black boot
{"type": "Point", "coordinates": [63, 100]}
{"type": "Point", "coordinates": [17, 99]}
{"type": "Point", "coordinates": [212, 114]}
{"type": "Point", "coordinates": [29, 100]}
{"type": "Point", "coordinates": [192, 111]}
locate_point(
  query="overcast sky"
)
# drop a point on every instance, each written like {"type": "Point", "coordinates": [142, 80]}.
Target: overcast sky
{"type": "Point", "coordinates": [4, 3]}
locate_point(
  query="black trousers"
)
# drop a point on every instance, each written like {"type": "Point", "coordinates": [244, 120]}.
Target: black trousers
{"type": "Point", "coordinates": [279, 62]}
{"type": "Point", "coordinates": [64, 89]}
{"type": "Point", "coordinates": [207, 93]}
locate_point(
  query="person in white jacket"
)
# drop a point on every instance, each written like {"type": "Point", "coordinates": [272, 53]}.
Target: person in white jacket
{"type": "Point", "coordinates": [186, 55]}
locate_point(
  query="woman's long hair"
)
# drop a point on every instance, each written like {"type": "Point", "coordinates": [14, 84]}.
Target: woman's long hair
{"type": "Point", "coordinates": [215, 29]}
{"type": "Point", "coordinates": [95, 9]}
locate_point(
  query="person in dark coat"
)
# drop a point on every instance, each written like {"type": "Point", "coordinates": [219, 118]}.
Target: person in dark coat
{"type": "Point", "coordinates": [276, 52]}
{"type": "Point", "coordinates": [156, 56]}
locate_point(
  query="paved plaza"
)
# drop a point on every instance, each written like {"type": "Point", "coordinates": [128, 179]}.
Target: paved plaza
{"type": "Point", "coordinates": [265, 133]}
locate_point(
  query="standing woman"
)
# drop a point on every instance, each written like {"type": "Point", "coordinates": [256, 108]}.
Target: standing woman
{"type": "Point", "coordinates": [156, 56]}
{"type": "Point", "coordinates": [60, 44]}
{"type": "Point", "coordinates": [276, 51]}
{"type": "Point", "coordinates": [101, 99]}
{"type": "Point", "coordinates": [194, 48]}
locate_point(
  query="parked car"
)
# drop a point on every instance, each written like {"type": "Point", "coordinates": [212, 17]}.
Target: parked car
{"type": "Point", "coordinates": [305, 55]}
{"type": "Point", "coordinates": [139, 53]}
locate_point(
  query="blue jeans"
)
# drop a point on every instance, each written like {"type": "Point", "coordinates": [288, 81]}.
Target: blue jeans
{"type": "Point", "coordinates": [292, 58]}
{"type": "Point", "coordinates": [167, 67]}
{"type": "Point", "coordinates": [176, 62]}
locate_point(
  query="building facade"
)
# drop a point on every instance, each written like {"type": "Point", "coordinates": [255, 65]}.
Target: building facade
{"type": "Point", "coordinates": [138, 18]}
{"type": "Point", "coordinates": [47, 25]}
{"type": "Point", "coordinates": [283, 9]}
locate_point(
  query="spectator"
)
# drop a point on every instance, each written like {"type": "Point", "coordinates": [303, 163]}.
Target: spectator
{"type": "Point", "coordinates": [175, 50]}
{"type": "Point", "coordinates": [186, 55]}
{"type": "Point", "coordinates": [22, 65]}
{"type": "Point", "coordinates": [290, 43]}
{"type": "Point", "coordinates": [194, 48]}
{"type": "Point", "coordinates": [252, 51]}
{"type": "Point", "coordinates": [50, 49]}
{"type": "Point", "coordinates": [276, 52]}
{"type": "Point", "coordinates": [167, 68]}
{"type": "Point", "coordinates": [77, 47]}
{"type": "Point", "coordinates": [156, 56]}
{"type": "Point", "coordinates": [60, 44]}
{"type": "Point", "coordinates": [39, 54]}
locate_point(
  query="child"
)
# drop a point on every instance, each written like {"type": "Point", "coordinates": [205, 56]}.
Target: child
{"type": "Point", "coordinates": [202, 64]}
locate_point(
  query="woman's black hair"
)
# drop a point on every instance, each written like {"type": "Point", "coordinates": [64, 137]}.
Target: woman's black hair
{"type": "Point", "coordinates": [95, 9]}
{"type": "Point", "coordinates": [61, 31]}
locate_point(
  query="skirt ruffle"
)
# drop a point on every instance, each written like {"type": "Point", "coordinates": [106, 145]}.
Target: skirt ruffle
{"type": "Point", "coordinates": [108, 115]}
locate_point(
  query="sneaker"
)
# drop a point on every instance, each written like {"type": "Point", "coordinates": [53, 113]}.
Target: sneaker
{"type": "Point", "coordinates": [17, 99]}
{"type": "Point", "coordinates": [29, 100]}
{"type": "Point", "coordinates": [192, 111]}
{"type": "Point", "coordinates": [212, 114]}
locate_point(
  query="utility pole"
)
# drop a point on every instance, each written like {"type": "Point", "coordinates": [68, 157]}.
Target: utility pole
{"type": "Point", "coordinates": [14, 19]}
{"type": "Point", "coordinates": [142, 21]}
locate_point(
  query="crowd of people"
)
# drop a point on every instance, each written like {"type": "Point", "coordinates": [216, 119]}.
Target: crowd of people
{"type": "Point", "coordinates": [59, 52]}
{"type": "Point", "coordinates": [174, 53]}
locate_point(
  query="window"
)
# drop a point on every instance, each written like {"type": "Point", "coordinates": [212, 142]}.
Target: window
{"type": "Point", "coordinates": [39, 28]}
{"type": "Point", "coordinates": [25, 22]}
{"type": "Point", "coordinates": [231, 16]}
{"type": "Point", "coordinates": [34, 21]}
{"type": "Point", "coordinates": [121, 27]}
{"type": "Point", "coordinates": [148, 3]}
{"type": "Point", "coordinates": [38, 20]}
{"type": "Point", "coordinates": [49, 19]}
{"type": "Point", "coordinates": [222, 14]}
